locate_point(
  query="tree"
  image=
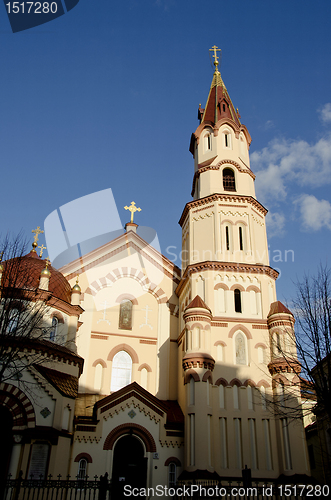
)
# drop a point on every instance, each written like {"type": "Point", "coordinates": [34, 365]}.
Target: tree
{"type": "Point", "coordinates": [23, 309]}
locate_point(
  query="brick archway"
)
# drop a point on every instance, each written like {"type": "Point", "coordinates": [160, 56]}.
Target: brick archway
{"type": "Point", "coordinates": [137, 430]}
{"type": "Point", "coordinates": [19, 406]}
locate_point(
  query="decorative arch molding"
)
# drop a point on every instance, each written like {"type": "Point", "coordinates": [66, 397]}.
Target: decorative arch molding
{"type": "Point", "coordinates": [241, 328]}
{"type": "Point", "coordinates": [123, 347]}
{"type": "Point", "coordinates": [191, 374]}
{"type": "Point", "coordinates": [58, 315]}
{"type": "Point", "coordinates": [260, 344]}
{"type": "Point", "coordinates": [136, 430]}
{"type": "Point", "coordinates": [197, 325]}
{"type": "Point", "coordinates": [280, 380]}
{"type": "Point", "coordinates": [227, 221]}
{"type": "Point", "coordinates": [221, 285]}
{"type": "Point", "coordinates": [19, 405]}
{"type": "Point", "coordinates": [236, 382]}
{"type": "Point", "coordinates": [207, 376]}
{"type": "Point", "coordinates": [99, 362]}
{"type": "Point", "coordinates": [296, 380]}
{"type": "Point", "coordinates": [127, 296]}
{"type": "Point", "coordinates": [250, 383]}
{"type": "Point", "coordinates": [263, 383]}
{"type": "Point", "coordinates": [241, 222]}
{"type": "Point", "coordinates": [222, 381]}
{"type": "Point", "coordinates": [128, 272]}
{"type": "Point", "coordinates": [254, 288]}
{"type": "Point", "coordinates": [220, 342]}
{"type": "Point", "coordinates": [146, 366]}
{"type": "Point", "coordinates": [173, 460]}
{"type": "Point", "coordinates": [87, 457]}
{"type": "Point", "coordinates": [237, 286]}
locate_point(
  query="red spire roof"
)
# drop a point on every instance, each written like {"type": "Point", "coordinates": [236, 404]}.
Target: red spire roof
{"type": "Point", "coordinates": [278, 307]}
{"type": "Point", "coordinates": [219, 104]}
{"type": "Point", "coordinates": [197, 302]}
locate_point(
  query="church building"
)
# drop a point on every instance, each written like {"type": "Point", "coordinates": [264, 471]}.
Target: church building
{"type": "Point", "coordinates": [181, 365]}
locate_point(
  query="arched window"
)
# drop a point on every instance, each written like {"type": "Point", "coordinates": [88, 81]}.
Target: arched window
{"type": "Point", "coordinates": [207, 142]}
{"type": "Point", "coordinates": [121, 371]}
{"type": "Point", "coordinates": [240, 347]}
{"type": "Point", "coordinates": [13, 318]}
{"type": "Point", "coordinates": [227, 139]}
{"type": "Point", "coordinates": [53, 332]}
{"type": "Point", "coordinates": [172, 475]}
{"type": "Point", "coordinates": [82, 468]}
{"type": "Point", "coordinates": [98, 376]}
{"type": "Point", "coordinates": [229, 183]}
{"type": "Point", "coordinates": [125, 319]}
{"type": "Point", "coordinates": [143, 378]}
{"type": "Point", "coordinates": [241, 238]}
{"type": "Point", "coordinates": [237, 300]}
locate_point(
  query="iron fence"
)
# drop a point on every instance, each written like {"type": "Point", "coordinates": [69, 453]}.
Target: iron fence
{"type": "Point", "coordinates": [60, 488]}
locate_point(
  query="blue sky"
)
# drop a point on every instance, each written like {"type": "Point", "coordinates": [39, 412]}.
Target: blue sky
{"type": "Point", "coordinates": [106, 96]}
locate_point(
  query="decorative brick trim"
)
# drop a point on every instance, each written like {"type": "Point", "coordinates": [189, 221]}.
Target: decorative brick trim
{"type": "Point", "coordinates": [218, 197]}
{"type": "Point", "coordinates": [173, 460]}
{"type": "Point", "coordinates": [233, 267]}
{"type": "Point", "coordinates": [191, 374]}
{"type": "Point", "coordinates": [260, 327]}
{"type": "Point", "coordinates": [260, 344]}
{"type": "Point", "coordinates": [235, 381]}
{"type": "Point", "coordinates": [87, 457]}
{"type": "Point", "coordinates": [19, 406]}
{"type": "Point", "coordinates": [102, 337]}
{"type": "Point", "coordinates": [282, 365]}
{"type": "Point", "coordinates": [145, 341]}
{"type": "Point", "coordinates": [242, 328]}
{"type": "Point", "coordinates": [198, 360]}
{"type": "Point", "coordinates": [207, 375]}
{"type": "Point", "coordinates": [223, 325]}
{"type": "Point", "coordinates": [253, 288]}
{"type": "Point", "coordinates": [220, 342]}
{"type": "Point", "coordinates": [126, 296]}
{"type": "Point", "coordinates": [237, 287]}
{"type": "Point", "coordinates": [123, 347]}
{"type": "Point", "coordinates": [198, 318]}
{"type": "Point", "coordinates": [137, 430]}
{"type": "Point", "coordinates": [222, 381]}
{"type": "Point", "coordinates": [249, 382]}
{"type": "Point", "coordinates": [100, 362]}
{"type": "Point", "coordinates": [221, 285]}
{"type": "Point", "coordinates": [263, 383]}
{"type": "Point", "coordinates": [145, 365]}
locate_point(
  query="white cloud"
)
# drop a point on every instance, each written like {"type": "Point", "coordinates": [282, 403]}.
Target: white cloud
{"type": "Point", "coordinates": [275, 224]}
{"type": "Point", "coordinates": [325, 113]}
{"type": "Point", "coordinates": [315, 213]}
{"type": "Point", "coordinates": [284, 162]}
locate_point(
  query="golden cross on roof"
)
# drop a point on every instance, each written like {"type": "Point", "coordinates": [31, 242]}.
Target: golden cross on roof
{"type": "Point", "coordinates": [42, 248]}
{"type": "Point", "coordinates": [48, 262]}
{"type": "Point", "coordinates": [215, 56]}
{"type": "Point", "coordinates": [37, 232]}
{"type": "Point", "coordinates": [1, 255]}
{"type": "Point", "coordinates": [132, 209]}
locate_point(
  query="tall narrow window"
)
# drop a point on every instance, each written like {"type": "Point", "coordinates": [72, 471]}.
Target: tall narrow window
{"type": "Point", "coordinates": [98, 377]}
{"type": "Point", "coordinates": [267, 443]}
{"type": "Point", "coordinates": [172, 475]}
{"type": "Point", "coordinates": [125, 319]}
{"type": "Point", "coordinates": [121, 371]}
{"type": "Point", "coordinates": [238, 445]}
{"type": "Point", "coordinates": [286, 440]}
{"type": "Point", "coordinates": [240, 347]}
{"type": "Point", "coordinates": [223, 107]}
{"type": "Point", "coordinates": [237, 300]}
{"type": "Point", "coordinates": [209, 142]}
{"type": "Point", "coordinates": [227, 238]}
{"type": "Point", "coordinates": [82, 468]}
{"type": "Point", "coordinates": [241, 241]}
{"type": "Point", "coordinates": [228, 180]}
{"type": "Point", "coordinates": [226, 137]}
{"type": "Point", "coordinates": [252, 439]}
{"type": "Point", "coordinates": [53, 332]}
{"type": "Point", "coordinates": [13, 320]}
{"type": "Point", "coordinates": [224, 451]}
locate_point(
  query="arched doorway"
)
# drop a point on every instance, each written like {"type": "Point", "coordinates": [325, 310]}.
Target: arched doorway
{"type": "Point", "coordinates": [6, 439]}
{"type": "Point", "coordinates": [129, 466]}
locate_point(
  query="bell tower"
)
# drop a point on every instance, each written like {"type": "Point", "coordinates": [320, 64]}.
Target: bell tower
{"type": "Point", "coordinates": [225, 294]}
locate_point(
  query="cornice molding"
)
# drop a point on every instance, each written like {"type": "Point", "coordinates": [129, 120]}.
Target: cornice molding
{"type": "Point", "coordinates": [221, 198]}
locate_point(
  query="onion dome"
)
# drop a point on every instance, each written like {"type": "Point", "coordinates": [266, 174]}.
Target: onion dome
{"type": "Point", "coordinates": [24, 272]}
{"type": "Point", "coordinates": [76, 287]}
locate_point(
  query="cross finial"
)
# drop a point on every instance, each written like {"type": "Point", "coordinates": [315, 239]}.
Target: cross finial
{"type": "Point", "coordinates": [215, 49]}
{"type": "Point", "coordinates": [36, 232]}
{"type": "Point", "coordinates": [132, 209]}
{"type": "Point", "coordinates": [42, 248]}
{"type": "Point", "coordinates": [1, 255]}
{"type": "Point", "coordinates": [48, 262]}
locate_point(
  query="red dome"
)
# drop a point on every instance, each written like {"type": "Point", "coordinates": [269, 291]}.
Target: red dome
{"type": "Point", "coordinates": [24, 272]}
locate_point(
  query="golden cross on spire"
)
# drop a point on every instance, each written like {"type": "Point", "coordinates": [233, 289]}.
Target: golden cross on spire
{"type": "Point", "coordinates": [42, 248]}
{"type": "Point", "coordinates": [132, 209]}
{"type": "Point", "coordinates": [215, 56]}
{"type": "Point", "coordinates": [1, 255]}
{"type": "Point", "coordinates": [48, 262]}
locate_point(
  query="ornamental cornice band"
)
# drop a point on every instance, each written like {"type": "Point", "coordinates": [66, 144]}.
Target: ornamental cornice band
{"type": "Point", "coordinates": [282, 365]}
{"type": "Point", "coordinates": [221, 197]}
{"type": "Point", "coordinates": [225, 267]}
